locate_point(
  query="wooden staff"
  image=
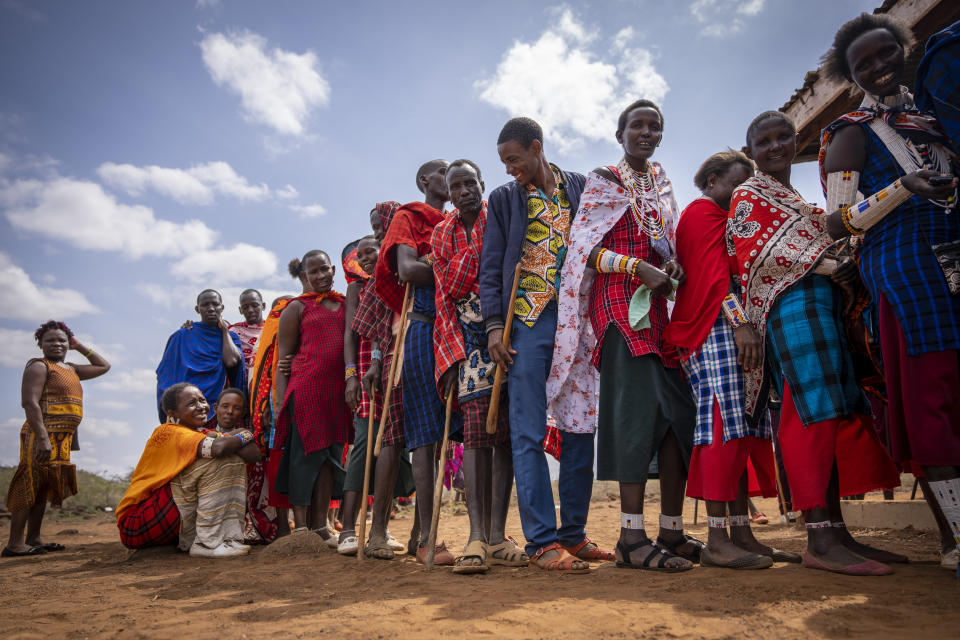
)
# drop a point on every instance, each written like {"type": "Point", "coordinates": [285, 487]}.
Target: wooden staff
{"type": "Point", "coordinates": [438, 488]}
{"type": "Point", "coordinates": [498, 377]}
{"type": "Point", "coordinates": [393, 364]}
{"type": "Point", "coordinates": [362, 529]}
{"type": "Point", "coordinates": [402, 331]}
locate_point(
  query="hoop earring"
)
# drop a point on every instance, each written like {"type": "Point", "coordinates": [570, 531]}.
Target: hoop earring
{"type": "Point", "coordinates": [174, 420]}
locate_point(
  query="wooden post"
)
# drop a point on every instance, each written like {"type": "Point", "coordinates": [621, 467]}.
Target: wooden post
{"type": "Point", "coordinates": [494, 410]}
{"type": "Point", "coordinates": [393, 365]}
{"type": "Point", "coordinates": [362, 528]}
{"type": "Point", "coordinates": [438, 487]}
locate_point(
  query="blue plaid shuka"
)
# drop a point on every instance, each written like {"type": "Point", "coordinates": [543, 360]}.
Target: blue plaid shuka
{"type": "Point", "coordinates": [937, 89]}
{"type": "Point", "coordinates": [713, 372]}
{"type": "Point", "coordinates": [897, 261]}
{"type": "Point", "coordinates": [807, 349]}
{"type": "Point", "coordinates": [423, 410]}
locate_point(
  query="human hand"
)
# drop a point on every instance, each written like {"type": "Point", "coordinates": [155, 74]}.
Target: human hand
{"type": "Point", "coordinates": [749, 347]}
{"type": "Point", "coordinates": [656, 280]}
{"type": "Point", "coordinates": [43, 448]}
{"type": "Point", "coordinates": [498, 352]}
{"type": "Point", "coordinates": [76, 346]}
{"type": "Point", "coordinates": [919, 183]}
{"type": "Point", "coordinates": [188, 324]}
{"type": "Point", "coordinates": [284, 364]}
{"type": "Point", "coordinates": [673, 269]}
{"type": "Point", "coordinates": [847, 272]}
{"type": "Point", "coordinates": [352, 393]}
{"type": "Point", "coordinates": [450, 378]}
{"type": "Point", "coordinates": [223, 324]}
{"type": "Point", "coordinates": [371, 379]}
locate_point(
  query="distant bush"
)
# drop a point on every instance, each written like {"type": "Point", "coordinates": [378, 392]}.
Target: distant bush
{"type": "Point", "coordinates": [94, 492]}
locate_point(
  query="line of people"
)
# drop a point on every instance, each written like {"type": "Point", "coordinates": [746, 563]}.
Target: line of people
{"type": "Point", "coordinates": [843, 318]}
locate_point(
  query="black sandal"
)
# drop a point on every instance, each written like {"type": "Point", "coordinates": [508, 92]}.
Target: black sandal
{"type": "Point", "coordinates": [694, 556]}
{"type": "Point", "coordinates": [655, 552]}
{"type": "Point", "coordinates": [32, 551]}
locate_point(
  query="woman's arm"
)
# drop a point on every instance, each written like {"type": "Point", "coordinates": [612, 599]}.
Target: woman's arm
{"type": "Point", "coordinates": [240, 444]}
{"type": "Point", "coordinates": [352, 393]}
{"type": "Point", "coordinates": [288, 343]}
{"type": "Point", "coordinates": [34, 377]}
{"type": "Point", "coordinates": [98, 364]}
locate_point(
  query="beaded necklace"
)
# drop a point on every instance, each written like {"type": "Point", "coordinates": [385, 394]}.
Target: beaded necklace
{"type": "Point", "coordinates": [647, 216]}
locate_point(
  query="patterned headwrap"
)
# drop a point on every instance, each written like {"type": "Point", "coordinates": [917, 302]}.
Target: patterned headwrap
{"type": "Point", "coordinates": [386, 210]}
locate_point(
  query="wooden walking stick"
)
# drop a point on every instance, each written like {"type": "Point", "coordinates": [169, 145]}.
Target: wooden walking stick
{"type": "Point", "coordinates": [402, 333]}
{"type": "Point", "coordinates": [438, 488]}
{"type": "Point", "coordinates": [393, 364]}
{"type": "Point", "coordinates": [494, 410]}
{"type": "Point", "coordinates": [362, 529]}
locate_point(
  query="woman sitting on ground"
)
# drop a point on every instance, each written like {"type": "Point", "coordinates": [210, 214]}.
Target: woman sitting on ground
{"type": "Point", "coordinates": [188, 485]}
{"type": "Point", "coordinates": [52, 400]}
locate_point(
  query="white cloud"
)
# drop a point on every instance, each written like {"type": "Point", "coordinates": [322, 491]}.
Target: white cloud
{"type": "Point", "coordinates": [206, 4]}
{"type": "Point", "coordinates": [240, 263]}
{"type": "Point", "coordinates": [288, 192]}
{"type": "Point", "coordinates": [532, 74]}
{"type": "Point", "coordinates": [127, 381]}
{"type": "Point", "coordinates": [722, 17]}
{"type": "Point", "coordinates": [199, 184]}
{"type": "Point", "coordinates": [81, 213]}
{"type": "Point", "coordinates": [276, 87]}
{"type": "Point", "coordinates": [102, 428]}
{"type": "Point", "coordinates": [308, 210]}
{"type": "Point", "coordinates": [18, 347]}
{"type": "Point", "coordinates": [22, 299]}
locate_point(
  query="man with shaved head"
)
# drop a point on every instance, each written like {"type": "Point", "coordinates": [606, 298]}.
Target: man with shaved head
{"type": "Point", "coordinates": [405, 259]}
{"type": "Point", "coordinates": [207, 354]}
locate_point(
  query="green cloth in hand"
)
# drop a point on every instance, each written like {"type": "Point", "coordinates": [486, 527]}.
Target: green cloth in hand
{"type": "Point", "coordinates": [639, 315]}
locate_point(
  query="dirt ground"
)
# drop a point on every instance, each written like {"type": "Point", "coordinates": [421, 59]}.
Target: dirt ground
{"type": "Point", "coordinates": [295, 588]}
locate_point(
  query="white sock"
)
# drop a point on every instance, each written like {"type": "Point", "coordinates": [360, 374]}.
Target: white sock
{"type": "Point", "coordinates": [631, 521]}
{"type": "Point", "coordinates": [717, 522]}
{"type": "Point", "coordinates": [947, 493]}
{"type": "Point", "coordinates": [671, 523]}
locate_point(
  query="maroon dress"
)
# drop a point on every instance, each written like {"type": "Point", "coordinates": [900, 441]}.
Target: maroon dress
{"type": "Point", "coordinates": [316, 387]}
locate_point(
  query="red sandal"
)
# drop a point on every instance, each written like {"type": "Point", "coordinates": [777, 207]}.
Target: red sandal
{"type": "Point", "coordinates": [593, 555]}
{"type": "Point", "coordinates": [561, 564]}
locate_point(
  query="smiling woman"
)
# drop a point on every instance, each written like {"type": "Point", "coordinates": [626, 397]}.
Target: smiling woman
{"type": "Point", "coordinates": [52, 399]}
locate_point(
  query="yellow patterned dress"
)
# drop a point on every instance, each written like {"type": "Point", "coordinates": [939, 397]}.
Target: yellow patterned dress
{"type": "Point", "coordinates": [62, 406]}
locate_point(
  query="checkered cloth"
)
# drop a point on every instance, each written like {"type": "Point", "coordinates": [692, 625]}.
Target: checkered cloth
{"type": "Point", "coordinates": [153, 522]}
{"type": "Point", "coordinates": [423, 410]}
{"type": "Point", "coordinates": [611, 293]}
{"type": "Point", "coordinates": [806, 347]}
{"type": "Point", "coordinates": [896, 259]}
{"type": "Point", "coordinates": [456, 263]}
{"type": "Point", "coordinates": [474, 414]}
{"type": "Point", "coordinates": [713, 372]}
{"type": "Point", "coordinates": [937, 89]}
{"type": "Point", "coordinates": [393, 430]}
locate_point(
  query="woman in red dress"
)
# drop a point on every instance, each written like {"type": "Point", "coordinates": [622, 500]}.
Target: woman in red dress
{"type": "Point", "coordinates": [314, 421]}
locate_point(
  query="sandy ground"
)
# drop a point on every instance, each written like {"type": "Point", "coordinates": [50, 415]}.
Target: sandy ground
{"type": "Point", "coordinates": [297, 589]}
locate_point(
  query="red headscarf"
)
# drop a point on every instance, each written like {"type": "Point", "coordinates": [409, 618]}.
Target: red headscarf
{"type": "Point", "coordinates": [411, 225]}
{"type": "Point", "coordinates": [702, 251]}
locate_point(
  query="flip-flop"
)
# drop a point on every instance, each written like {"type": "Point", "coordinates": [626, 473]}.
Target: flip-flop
{"type": "Point", "coordinates": [474, 549]}
{"type": "Point", "coordinates": [510, 555]}
{"type": "Point", "coordinates": [52, 546]}
{"type": "Point", "coordinates": [32, 551]}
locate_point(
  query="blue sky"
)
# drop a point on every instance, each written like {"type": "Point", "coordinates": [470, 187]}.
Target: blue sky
{"type": "Point", "coordinates": [150, 150]}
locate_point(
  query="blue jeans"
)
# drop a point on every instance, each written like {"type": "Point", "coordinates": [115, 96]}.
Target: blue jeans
{"type": "Point", "coordinates": [528, 426]}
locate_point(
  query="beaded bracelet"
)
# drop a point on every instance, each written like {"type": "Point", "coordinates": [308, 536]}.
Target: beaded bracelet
{"type": "Point", "coordinates": [89, 352]}
{"type": "Point", "coordinates": [612, 262]}
{"type": "Point", "coordinates": [376, 354]}
{"type": "Point", "coordinates": [350, 371]}
{"type": "Point", "coordinates": [245, 437]}
{"type": "Point", "coordinates": [845, 216]}
{"type": "Point", "coordinates": [733, 312]}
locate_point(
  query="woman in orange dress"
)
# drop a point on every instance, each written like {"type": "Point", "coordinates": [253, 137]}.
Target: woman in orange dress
{"type": "Point", "coordinates": [52, 400]}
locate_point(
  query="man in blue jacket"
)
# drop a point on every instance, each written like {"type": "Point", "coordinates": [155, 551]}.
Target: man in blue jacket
{"type": "Point", "coordinates": [528, 222]}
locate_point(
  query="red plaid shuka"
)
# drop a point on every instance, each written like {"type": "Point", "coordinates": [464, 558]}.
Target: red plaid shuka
{"type": "Point", "coordinates": [456, 264]}
{"type": "Point", "coordinates": [316, 379]}
{"type": "Point", "coordinates": [364, 352]}
{"type": "Point", "coordinates": [153, 522]}
{"type": "Point", "coordinates": [411, 225]}
{"type": "Point", "coordinates": [611, 293]}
